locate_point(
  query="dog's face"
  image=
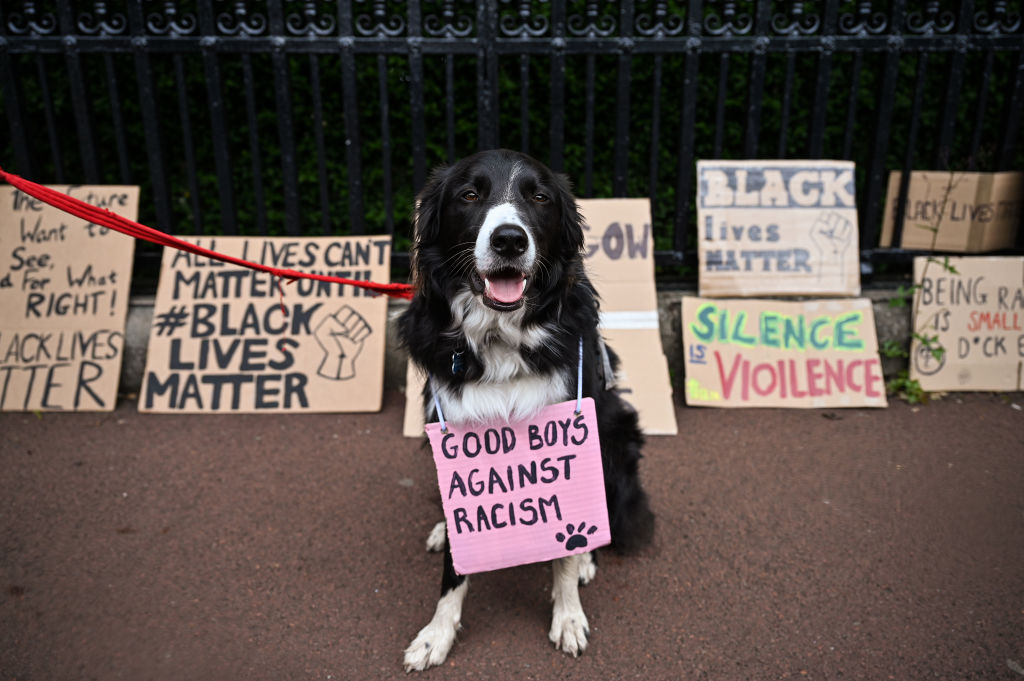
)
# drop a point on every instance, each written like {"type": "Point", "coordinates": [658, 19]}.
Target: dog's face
{"type": "Point", "coordinates": [500, 223]}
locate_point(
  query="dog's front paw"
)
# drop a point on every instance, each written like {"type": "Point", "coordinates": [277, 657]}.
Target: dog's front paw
{"type": "Point", "coordinates": [437, 537]}
{"type": "Point", "coordinates": [569, 630]}
{"type": "Point", "coordinates": [430, 647]}
{"type": "Point", "coordinates": [588, 568]}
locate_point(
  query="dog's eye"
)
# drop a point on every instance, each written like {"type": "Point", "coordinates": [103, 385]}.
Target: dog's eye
{"type": "Point", "coordinates": [540, 198]}
{"type": "Point", "coordinates": [470, 196]}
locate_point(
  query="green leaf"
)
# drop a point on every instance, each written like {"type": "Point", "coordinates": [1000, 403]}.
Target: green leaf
{"type": "Point", "coordinates": [893, 348]}
{"type": "Point", "coordinates": [903, 295]}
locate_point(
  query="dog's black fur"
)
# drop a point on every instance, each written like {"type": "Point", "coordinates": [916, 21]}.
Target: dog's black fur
{"type": "Point", "coordinates": [559, 305]}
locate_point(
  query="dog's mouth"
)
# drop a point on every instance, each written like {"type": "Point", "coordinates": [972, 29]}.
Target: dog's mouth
{"type": "Point", "coordinates": [504, 289]}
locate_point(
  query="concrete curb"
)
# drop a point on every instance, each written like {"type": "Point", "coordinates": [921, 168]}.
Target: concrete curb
{"type": "Point", "coordinates": [893, 324]}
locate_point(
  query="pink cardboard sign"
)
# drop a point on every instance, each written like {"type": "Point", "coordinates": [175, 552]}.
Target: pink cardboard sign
{"type": "Point", "coordinates": [523, 492]}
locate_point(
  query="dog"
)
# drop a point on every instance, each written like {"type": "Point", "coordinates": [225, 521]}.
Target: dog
{"type": "Point", "coordinates": [501, 302]}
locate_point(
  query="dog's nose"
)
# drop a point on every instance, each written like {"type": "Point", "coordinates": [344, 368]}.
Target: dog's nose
{"type": "Point", "coordinates": [509, 240]}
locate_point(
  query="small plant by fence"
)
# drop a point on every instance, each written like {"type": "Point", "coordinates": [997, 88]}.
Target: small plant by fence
{"type": "Point", "coordinates": [289, 117]}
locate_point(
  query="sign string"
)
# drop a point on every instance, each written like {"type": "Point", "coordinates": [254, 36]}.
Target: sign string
{"type": "Point", "coordinates": [437, 406]}
{"type": "Point", "coordinates": [118, 223]}
{"type": "Point", "coordinates": [579, 380]}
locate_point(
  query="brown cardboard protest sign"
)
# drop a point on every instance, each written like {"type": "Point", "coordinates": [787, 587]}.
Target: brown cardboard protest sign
{"type": "Point", "coordinates": [956, 211]}
{"type": "Point", "coordinates": [412, 420]}
{"type": "Point", "coordinates": [971, 311]}
{"type": "Point", "coordinates": [777, 228]}
{"type": "Point", "coordinates": [64, 287]}
{"type": "Point", "coordinates": [230, 339]}
{"type": "Point", "coordinates": [619, 255]}
{"type": "Point", "coordinates": [773, 353]}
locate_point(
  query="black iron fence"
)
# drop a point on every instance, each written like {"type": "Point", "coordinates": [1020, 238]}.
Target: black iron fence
{"type": "Point", "coordinates": [303, 117]}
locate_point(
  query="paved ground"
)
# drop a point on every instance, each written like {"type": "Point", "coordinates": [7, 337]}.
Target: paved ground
{"type": "Point", "coordinates": [884, 544]}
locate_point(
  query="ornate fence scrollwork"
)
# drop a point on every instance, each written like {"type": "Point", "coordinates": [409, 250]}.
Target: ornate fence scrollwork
{"type": "Point", "coordinates": [863, 20]}
{"type": "Point", "coordinates": [309, 22]}
{"type": "Point", "coordinates": [593, 23]}
{"type": "Point", "coordinates": [1000, 20]}
{"type": "Point", "coordinates": [796, 21]}
{"type": "Point", "coordinates": [523, 22]}
{"type": "Point", "coordinates": [101, 21]}
{"type": "Point", "coordinates": [932, 20]}
{"type": "Point", "coordinates": [168, 21]}
{"type": "Point", "coordinates": [378, 23]}
{"type": "Point", "coordinates": [241, 21]}
{"type": "Point", "coordinates": [727, 22]}
{"type": "Point", "coordinates": [31, 21]}
{"type": "Point", "coordinates": [449, 23]}
{"type": "Point", "coordinates": [660, 23]}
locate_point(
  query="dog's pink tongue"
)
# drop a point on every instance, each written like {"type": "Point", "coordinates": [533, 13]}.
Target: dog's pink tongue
{"type": "Point", "coordinates": [506, 289]}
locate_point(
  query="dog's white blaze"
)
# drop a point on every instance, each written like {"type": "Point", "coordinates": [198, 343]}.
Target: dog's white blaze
{"type": "Point", "coordinates": [569, 626]}
{"type": "Point", "coordinates": [502, 214]}
{"type": "Point", "coordinates": [510, 186]}
{"type": "Point", "coordinates": [431, 645]}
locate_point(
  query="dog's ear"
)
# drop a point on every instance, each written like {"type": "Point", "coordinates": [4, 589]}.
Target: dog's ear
{"type": "Point", "coordinates": [572, 221]}
{"type": "Point", "coordinates": [427, 221]}
{"type": "Point", "coordinates": [429, 204]}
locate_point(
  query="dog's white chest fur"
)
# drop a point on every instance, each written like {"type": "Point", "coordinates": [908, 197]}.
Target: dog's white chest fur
{"type": "Point", "coordinates": [509, 389]}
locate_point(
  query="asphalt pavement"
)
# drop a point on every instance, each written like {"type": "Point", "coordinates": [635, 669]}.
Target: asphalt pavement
{"type": "Point", "coordinates": [820, 544]}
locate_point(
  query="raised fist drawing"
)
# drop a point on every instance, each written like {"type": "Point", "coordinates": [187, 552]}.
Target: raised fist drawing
{"type": "Point", "coordinates": [341, 335]}
{"type": "Point", "coordinates": [832, 233]}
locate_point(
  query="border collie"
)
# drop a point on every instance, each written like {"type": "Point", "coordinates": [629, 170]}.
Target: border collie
{"type": "Point", "coordinates": [501, 301]}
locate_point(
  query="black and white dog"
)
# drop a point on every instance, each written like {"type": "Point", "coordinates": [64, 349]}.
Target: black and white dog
{"type": "Point", "coordinates": [501, 302]}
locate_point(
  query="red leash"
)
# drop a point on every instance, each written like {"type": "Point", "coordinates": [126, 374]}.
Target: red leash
{"type": "Point", "coordinates": [104, 217]}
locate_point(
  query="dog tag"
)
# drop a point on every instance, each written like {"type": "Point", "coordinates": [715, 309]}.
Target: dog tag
{"type": "Point", "coordinates": [517, 493]}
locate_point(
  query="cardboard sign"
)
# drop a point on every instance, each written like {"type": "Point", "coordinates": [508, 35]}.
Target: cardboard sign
{"type": "Point", "coordinates": [522, 492]}
{"type": "Point", "coordinates": [229, 339]}
{"type": "Point", "coordinates": [64, 287]}
{"type": "Point", "coordinates": [412, 418]}
{"type": "Point", "coordinates": [619, 255]}
{"type": "Point", "coordinates": [770, 353]}
{"type": "Point", "coordinates": [976, 316]}
{"type": "Point", "coordinates": [956, 211]}
{"type": "Point", "coordinates": [777, 228]}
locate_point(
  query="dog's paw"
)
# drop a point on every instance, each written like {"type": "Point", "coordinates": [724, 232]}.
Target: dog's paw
{"type": "Point", "coordinates": [430, 647]}
{"type": "Point", "coordinates": [588, 568]}
{"type": "Point", "coordinates": [569, 630]}
{"type": "Point", "coordinates": [437, 537]}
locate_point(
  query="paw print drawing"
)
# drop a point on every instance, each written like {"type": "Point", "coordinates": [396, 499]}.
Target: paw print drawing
{"type": "Point", "coordinates": [574, 536]}
{"type": "Point", "coordinates": [341, 335]}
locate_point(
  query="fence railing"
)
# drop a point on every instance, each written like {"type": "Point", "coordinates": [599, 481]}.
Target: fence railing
{"type": "Point", "coordinates": [325, 117]}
